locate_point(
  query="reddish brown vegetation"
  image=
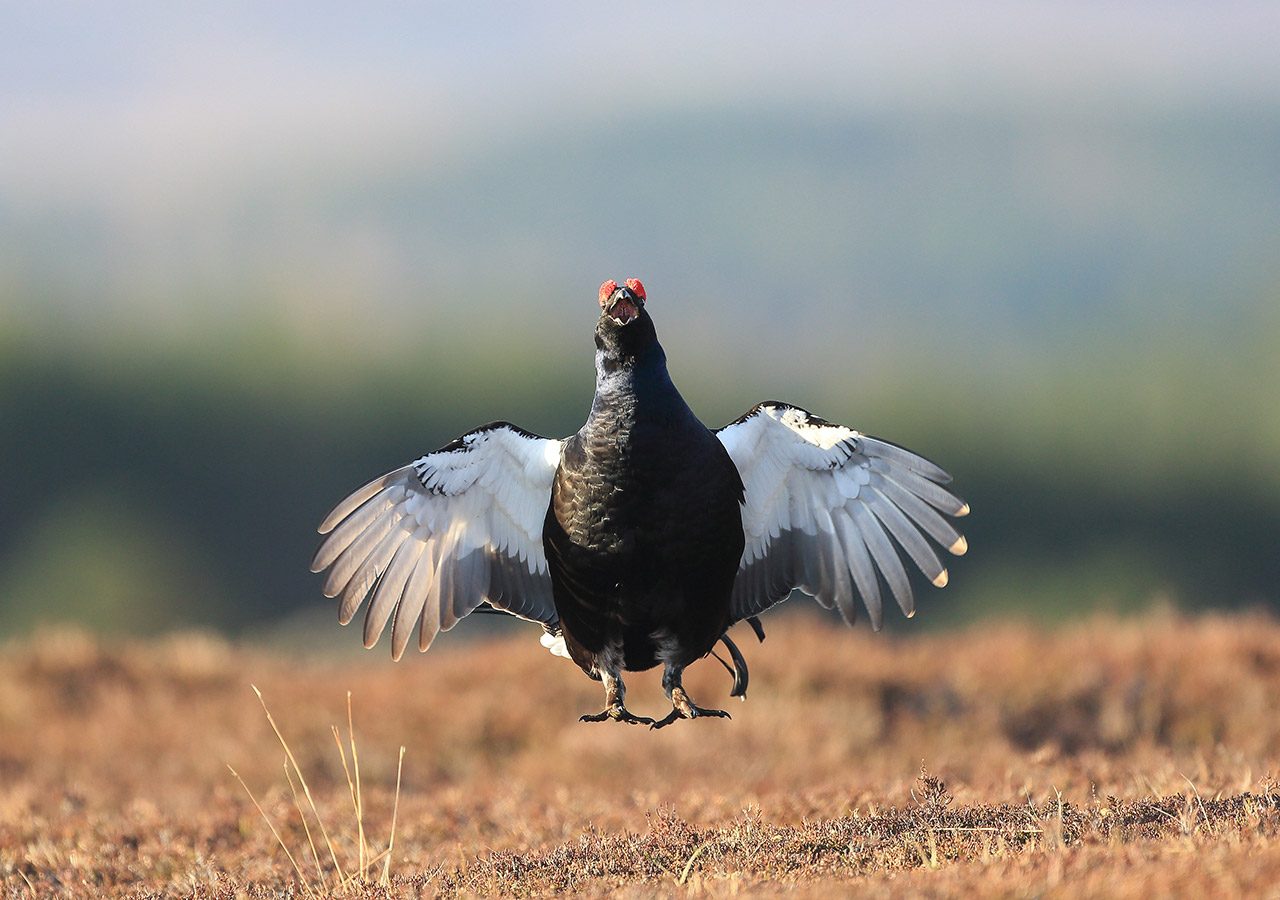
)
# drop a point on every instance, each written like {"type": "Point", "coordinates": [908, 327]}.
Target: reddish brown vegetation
{"type": "Point", "coordinates": [1126, 758]}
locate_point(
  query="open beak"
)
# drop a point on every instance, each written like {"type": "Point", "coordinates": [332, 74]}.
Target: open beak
{"type": "Point", "coordinates": [623, 307]}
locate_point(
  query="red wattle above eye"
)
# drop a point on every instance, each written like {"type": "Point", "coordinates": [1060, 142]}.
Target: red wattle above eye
{"type": "Point", "coordinates": [606, 290]}
{"type": "Point", "coordinates": [636, 287]}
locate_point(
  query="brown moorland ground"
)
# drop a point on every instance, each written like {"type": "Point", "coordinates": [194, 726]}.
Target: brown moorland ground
{"type": "Point", "coordinates": [1114, 758]}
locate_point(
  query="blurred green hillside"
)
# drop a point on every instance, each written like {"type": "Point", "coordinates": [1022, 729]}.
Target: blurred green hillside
{"type": "Point", "coordinates": [159, 490]}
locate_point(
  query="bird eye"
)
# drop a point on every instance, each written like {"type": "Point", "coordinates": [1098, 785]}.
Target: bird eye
{"type": "Point", "coordinates": [606, 291]}
{"type": "Point", "coordinates": [636, 287]}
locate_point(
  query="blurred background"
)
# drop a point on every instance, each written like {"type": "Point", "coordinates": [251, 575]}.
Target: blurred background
{"type": "Point", "coordinates": [253, 256]}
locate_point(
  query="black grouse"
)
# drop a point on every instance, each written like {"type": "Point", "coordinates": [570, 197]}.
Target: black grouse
{"type": "Point", "coordinates": [642, 538]}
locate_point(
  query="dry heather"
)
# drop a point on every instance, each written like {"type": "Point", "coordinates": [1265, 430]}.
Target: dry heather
{"type": "Point", "coordinates": [1117, 758]}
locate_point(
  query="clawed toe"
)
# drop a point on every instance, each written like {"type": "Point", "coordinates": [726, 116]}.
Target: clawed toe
{"type": "Point", "coordinates": [692, 712]}
{"type": "Point", "coordinates": [617, 714]}
{"type": "Point", "coordinates": [673, 716]}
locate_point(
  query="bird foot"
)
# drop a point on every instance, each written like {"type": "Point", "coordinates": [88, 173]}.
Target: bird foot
{"type": "Point", "coordinates": [617, 713]}
{"type": "Point", "coordinates": [687, 710]}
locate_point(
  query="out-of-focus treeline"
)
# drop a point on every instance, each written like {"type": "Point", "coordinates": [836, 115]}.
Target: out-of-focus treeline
{"type": "Point", "coordinates": [147, 491]}
{"type": "Point", "coordinates": [1061, 282]}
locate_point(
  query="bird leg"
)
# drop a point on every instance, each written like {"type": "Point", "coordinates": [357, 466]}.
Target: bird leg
{"type": "Point", "coordinates": [681, 706]}
{"type": "Point", "coordinates": [614, 693]}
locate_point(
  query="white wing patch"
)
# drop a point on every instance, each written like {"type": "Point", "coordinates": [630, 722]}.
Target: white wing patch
{"type": "Point", "coordinates": [822, 502]}
{"type": "Point", "coordinates": [431, 541]}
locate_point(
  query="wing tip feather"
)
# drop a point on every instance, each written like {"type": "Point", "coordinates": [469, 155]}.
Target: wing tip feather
{"type": "Point", "coordinates": [316, 566]}
{"type": "Point", "coordinates": [353, 500]}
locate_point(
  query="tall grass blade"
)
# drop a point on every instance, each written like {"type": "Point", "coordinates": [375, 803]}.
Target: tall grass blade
{"type": "Point", "coordinates": [315, 855]}
{"type": "Point", "coordinates": [355, 764]}
{"type": "Point", "coordinates": [306, 885]}
{"type": "Point", "coordinates": [395, 815]}
{"type": "Point", "coordinates": [306, 789]}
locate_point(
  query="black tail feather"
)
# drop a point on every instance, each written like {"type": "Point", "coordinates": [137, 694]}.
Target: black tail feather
{"type": "Point", "coordinates": [739, 670]}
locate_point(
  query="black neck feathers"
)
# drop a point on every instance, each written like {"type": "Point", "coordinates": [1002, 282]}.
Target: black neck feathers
{"type": "Point", "coordinates": [630, 346]}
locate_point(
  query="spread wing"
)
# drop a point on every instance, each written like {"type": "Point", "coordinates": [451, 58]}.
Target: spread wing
{"type": "Point", "coordinates": [432, 541]}
{"type": "Point", "coordinates": [822, 502]}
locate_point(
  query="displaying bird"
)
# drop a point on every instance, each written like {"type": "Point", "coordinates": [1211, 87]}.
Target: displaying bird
{"type": "Point", "coordinates": [641, 539]}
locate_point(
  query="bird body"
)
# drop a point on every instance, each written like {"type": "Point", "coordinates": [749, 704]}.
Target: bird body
{"type": "Point", "coordinates": [644, 530]}
{"type": "Point", "coordinates": [641, 539]}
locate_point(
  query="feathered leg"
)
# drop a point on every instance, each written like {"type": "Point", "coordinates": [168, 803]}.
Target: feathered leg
{"type": "Point", "coordinates": [681, 706]}
{"type": "Point", "coordinates": [614, 693]}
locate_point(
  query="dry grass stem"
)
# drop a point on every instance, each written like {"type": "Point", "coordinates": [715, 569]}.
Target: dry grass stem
{"type": "Point", "coordinates": [306, 789]}
{"type": "Point", "coordinates": [306, 885]}
{"type": "Point", "coordinates": [395, 815]}
{"type": "Point", "coordinates": [359, 874]}
{"type": "Point", "coordinates": [315, 855]}
{"type": "Point", "coordinates": [355, 764]}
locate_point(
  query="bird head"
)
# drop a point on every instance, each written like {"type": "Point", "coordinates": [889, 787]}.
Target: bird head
{"type": "Point", "coordinates": [622, 304]}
